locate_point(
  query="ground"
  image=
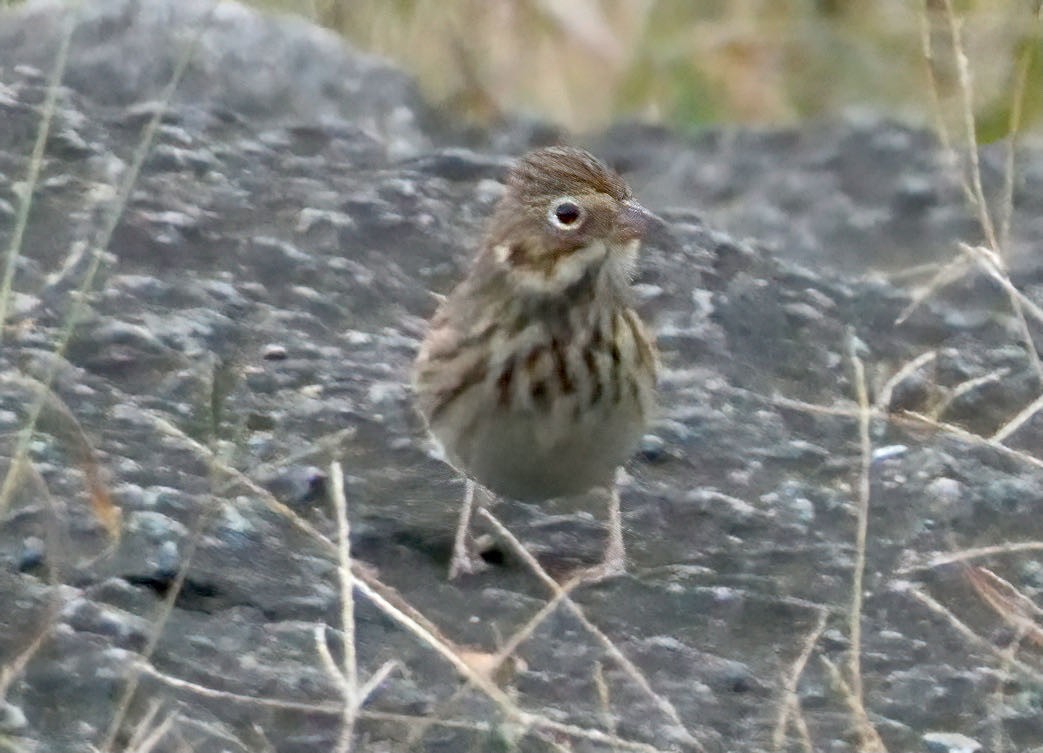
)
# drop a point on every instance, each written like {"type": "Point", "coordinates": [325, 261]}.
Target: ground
{"type": "Point", "coordinates": [254, 313]}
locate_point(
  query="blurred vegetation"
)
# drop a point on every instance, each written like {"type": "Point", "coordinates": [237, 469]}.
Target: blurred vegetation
{"type": "Point", "coordinates": [583, 63]}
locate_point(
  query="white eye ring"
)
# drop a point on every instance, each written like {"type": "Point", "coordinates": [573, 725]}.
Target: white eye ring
{"type": "Point", "coordinates": [566, 213]}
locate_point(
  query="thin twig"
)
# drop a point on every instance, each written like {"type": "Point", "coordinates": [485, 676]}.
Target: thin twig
{"type": "Point", "coordinates": [973, 438]}
{"type": "Point", "coordinates": [789, 709]}
{"type": "Point", "coordinates": [604, 698]}
{"type": "Point", "coordinates": [101, 242]}
{"type": "Point", "coordinates": [973, 638]}
{"type": "Point", "coordinates": [25, 195]}
{"type": "Point", "coordinates": [1015, 423]}
{"type": "Point", "coordinates": [15, 666]}
{"type": "Point", "coordinates": [1014, 608]}
{"type": "Point", "coordinates": [992, 263]}
{"type": "Point", "coordinates": [871, 741]}
{"type": "Point", "coordinates": [997, 706]}
{"type": "Point", "coordinates": [166, 608]}
{"type": "Point", "coordinates": [950, 273]}
{"type": "Point", "coordinates": [970, 135]}
{"type": "Point", "coordinates": [525, 719]}
{"type": "Point", "coordinates": [376, 680]}
{"type": "Point", "coordinates": [854, 664]}
{"type": "Point", "coordinates": [967, 555]}
{"type": "Point", "coordinates": [349, 671]}
{"type": "Point", "coordinates": [883, 400]}
{"type": "Point", "coordinates": [561, 593]}
{"type": "Point", "coordinates": [1013, 132]}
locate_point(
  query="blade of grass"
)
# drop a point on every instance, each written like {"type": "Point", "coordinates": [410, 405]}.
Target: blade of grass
{"type": "Point", "coordinates": [869, 738]}
{"type": "Point", "coordinates": [101, 242]}
{"type": "Point", "coordinates": [25, 195]}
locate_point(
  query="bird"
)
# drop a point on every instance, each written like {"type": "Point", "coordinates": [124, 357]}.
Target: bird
{"type": "Point", "coordinates": [536, 377]}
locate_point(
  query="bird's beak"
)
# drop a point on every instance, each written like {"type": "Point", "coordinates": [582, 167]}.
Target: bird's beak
{"type": "Point", "coordinates": [633, 220]}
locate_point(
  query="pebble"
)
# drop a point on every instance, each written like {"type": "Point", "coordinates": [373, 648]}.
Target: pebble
{"type": "Point", "coordinates": [32, 555]}
{"type": "Point", "coordinates": [273, 352]}
{"type": "Point", "coordinates": [950, 742]}
{"type": "Point", "coordinates": [653, 448]}
{"type": "Point", "coordinates": [167, 561]}
{"type": "Point", "coordinates": [948, 500]}
{"type": "Point", "coordinates": [298, 485]}
{"type": "Point", "coordinates": [12, 718]}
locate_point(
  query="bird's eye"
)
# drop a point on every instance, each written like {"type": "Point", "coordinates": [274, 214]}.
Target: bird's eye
{"type": "Point", "coordinates": [565, 214]}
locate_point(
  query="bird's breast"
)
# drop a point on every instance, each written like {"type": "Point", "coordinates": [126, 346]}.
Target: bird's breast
{"type": "Point", "coordinates": [544, 407]}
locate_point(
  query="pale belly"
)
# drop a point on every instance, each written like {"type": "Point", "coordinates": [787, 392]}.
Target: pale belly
{"type": "Point", "coordinates": [551, 417]}
{"type": "Point", "coordinates": [535, 456]}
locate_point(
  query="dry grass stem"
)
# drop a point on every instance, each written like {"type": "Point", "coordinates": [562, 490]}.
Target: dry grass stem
{"type": "Point", "coordinates": [998, 744]}
{"type": "Point", "coordinates": [561, 592]}
{"type": "Point", "coordinates": [789, 709]}
{"type": "Point", "coordinates": [146, 735]}
{"type": "Point", "coordinates": [913, 271]}
{"type": "Point", "coordinates": [604, 698]}
{"type": "Point", "coordinates": [993, 266]}
{"type": "Point", "coordinates": [1014, 608]}
{"type": "Point", "coordinates": [166, 607]}
{"type": "Point", "coordinates": [1019, 420]}
{"type": "Point", "coordinates": [911, 419]}
{"type": "Point", "coordinates": [156, 734]}
{"type": "Point", "coordinates": [322, 648]}
{"type": "Point", "coordinates": [28, 187]}
{"type": "Point", "coordinates": [968, 386]}
{"type": "Point", "coordinates": [526, 631]}
{"type": "Point", "coordinates": [1013, 132]}
{"type": "Point", "coordinates": [257, 744]}
{"type": "Point", "coordinates": [987, 646]}
{"type": "Point", "coordinates": [492, 666]}
{"type": "Point", "coordinates": [236, 478]}
{"type": "Point", "coordinates": [480, 681]}
{"type": "Point", "coordinates": [321, 447]}
{"type": "Point", "coordinates": [349, 671]}
{"type": "Point", "coordinates": [870, 741]}
{"type": "Point", "coordinates": [966, 90]}
{"type": "Point", "coordinates": [934, 88]}
{"type": "Point", "coordinates": [867, 734]}
{"type": "Point", "coordinates": [376, 680]}
{"type": "Point", "coordinates": [885, 393]}
{"type": "Point", "coordinates": [100, 243]}
{"type": "Point", "coordinates": [970, 175]}
{"type": "Point", "coordinates": [992, 263]}
{"type": "Point", "coordinates": [56, 418]}
{"type": "Point", "coordinates": [966, 555]}
{"type": "Point", "coordinates": [952, 394]}
{"type": "Point", "coordinates": [15, 666]}
{"type": "Point", "coordinates": [336, 708]}
{"type": "Point", "coordinates": [947, 275]}
{"type": "Point", "coordinates": [319, 707]}
{"type": "Point", "coordinates": [973, 438]}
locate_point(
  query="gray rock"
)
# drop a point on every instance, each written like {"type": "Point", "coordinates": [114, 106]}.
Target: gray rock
{"type": "Point", "coordinates": [258, 66]}
{"type": "Point", "coordinates": [255, 316]}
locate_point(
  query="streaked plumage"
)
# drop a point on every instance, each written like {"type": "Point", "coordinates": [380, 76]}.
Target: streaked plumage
{"type": "Point", "coordinates": [536, 376]}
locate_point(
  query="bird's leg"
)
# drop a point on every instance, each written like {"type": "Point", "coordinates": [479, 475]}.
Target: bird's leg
{"type": "Point", "coordinates": [613, 563]}
{"type": "Point", "coordinates": [615, 554]}
{"type": "Point", "coordinates": [465, 559]}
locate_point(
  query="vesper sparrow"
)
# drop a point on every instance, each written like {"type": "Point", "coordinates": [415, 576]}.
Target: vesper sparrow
{"type": "Point", "coordinates": [536, 376]}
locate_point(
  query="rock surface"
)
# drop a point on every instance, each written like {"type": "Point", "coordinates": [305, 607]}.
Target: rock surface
{"type": "Point", "coordinates": [255, 313]}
